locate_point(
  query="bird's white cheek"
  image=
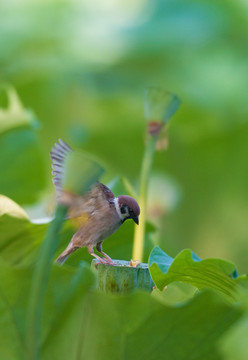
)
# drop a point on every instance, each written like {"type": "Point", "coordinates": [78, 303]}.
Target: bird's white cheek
{"type": "Point", "coordinates": [117, 208]}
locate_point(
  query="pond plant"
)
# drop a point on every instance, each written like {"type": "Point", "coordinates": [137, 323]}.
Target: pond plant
{"type": "Point", "coordinates": [171, 308]}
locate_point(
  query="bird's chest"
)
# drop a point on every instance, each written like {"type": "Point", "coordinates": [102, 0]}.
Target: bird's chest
{"type": "Point", "coordinates": [101, 223]}
{"type": "Point", "coordinates": [106, 225]}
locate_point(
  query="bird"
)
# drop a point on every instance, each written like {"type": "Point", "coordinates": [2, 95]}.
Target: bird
{"type": "Point", "coordinates": [96, 215]}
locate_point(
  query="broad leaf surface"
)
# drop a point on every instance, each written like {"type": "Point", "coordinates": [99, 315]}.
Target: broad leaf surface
{"type": "Point", "coordinates": [65, 283]}
{"type": "Point", "coordinates": [79, 324]}
{"type": "Point", "coordinates": [138, 327]}
{"type": "Point", "coordinates": [188, 267]}
{"type": "Point", "coordinates": [21, 160]}
{"type": "Point", "coordinates": [19, 238]}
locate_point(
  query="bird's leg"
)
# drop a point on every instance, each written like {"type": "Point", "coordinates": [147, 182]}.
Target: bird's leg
{"type": "Point", "coordinates": [91, 252]}
{"type": "Point", "coordinates": [108, 258]}
{"type": "Point", "coordinates": [100, 259]}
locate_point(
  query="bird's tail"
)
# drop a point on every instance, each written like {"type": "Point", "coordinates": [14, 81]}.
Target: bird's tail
{"type": "Point", "coordinates": [65, 254]}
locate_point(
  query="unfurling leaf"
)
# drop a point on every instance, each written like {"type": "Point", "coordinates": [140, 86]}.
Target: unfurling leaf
{"type": "Point", "coordinates": [189, 268]}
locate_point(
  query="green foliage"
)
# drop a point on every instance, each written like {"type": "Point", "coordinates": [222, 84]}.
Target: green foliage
{"type": "Point", "coordinates": [137, 326]}
{"type": "Point", "coordinates": [96, 324]}
{"type": "Point", "coordinates": [79, 323]}
{"type": "Point", "coordinates": [234, 343]}
{"type": "Point", "coordinates": [187, 267]}
{"type": "Point", "coordinates": [121, 186]}
{"type": "Point", "coordinates": [175, 294]}
{"type": "Point", "coordinates": [65, 284]}
{"type": "Point", "coordinates": [12, 113]}
{"type": "Point", "coordinates": [82, 82]}
{"type": "Point", "coordinates": [19, 238]}
{"type": "Point", "coordinates": [80, 172]}
{"type": "Point", "coordinates": [73, 83]}
{"type": "Point", "coordinates": [160, 104]}
{"type": "Point", "coordinates": [21, 161]}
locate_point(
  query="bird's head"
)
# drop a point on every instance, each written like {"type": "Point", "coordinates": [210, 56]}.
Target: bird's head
{"type": "Point", "coordinates": [127, 208]}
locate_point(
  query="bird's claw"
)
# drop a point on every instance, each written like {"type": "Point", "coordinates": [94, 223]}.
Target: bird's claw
{"type": "Point", "coordinates": [104, 261]}
{"type": "Point", "coordinates": [108, 261]}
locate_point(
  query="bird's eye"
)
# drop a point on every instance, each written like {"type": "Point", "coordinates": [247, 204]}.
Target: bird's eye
{"type": "Point", "coordinates": [123, 209]}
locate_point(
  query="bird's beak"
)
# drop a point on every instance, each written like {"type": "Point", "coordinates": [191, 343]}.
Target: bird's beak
{"type": "Point", "coordinates": [136, 219]}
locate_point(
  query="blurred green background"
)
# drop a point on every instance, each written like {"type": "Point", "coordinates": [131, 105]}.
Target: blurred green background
{"type": "Point", "coordinates": [82, 67]}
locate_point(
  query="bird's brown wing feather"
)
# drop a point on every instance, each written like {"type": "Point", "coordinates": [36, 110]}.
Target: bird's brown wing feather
{"type": "Point", "coordinates": [87, 208]}
{"type": "Point", "coordinates": [81, 207]}
{"type": "Point", "coordinates": [98, 197]}
{"type": "Point", "coordinates": [58, 155]}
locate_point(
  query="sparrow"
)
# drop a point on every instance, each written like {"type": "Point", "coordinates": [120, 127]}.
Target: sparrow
{"type": "Point", "coordinates": [96, 215]}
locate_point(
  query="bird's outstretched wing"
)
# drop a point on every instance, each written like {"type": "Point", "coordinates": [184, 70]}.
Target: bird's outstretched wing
{"type": "Point", "coordinates": [97, 196]}
{"type": "Point", "coordinates": [58, 155]}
